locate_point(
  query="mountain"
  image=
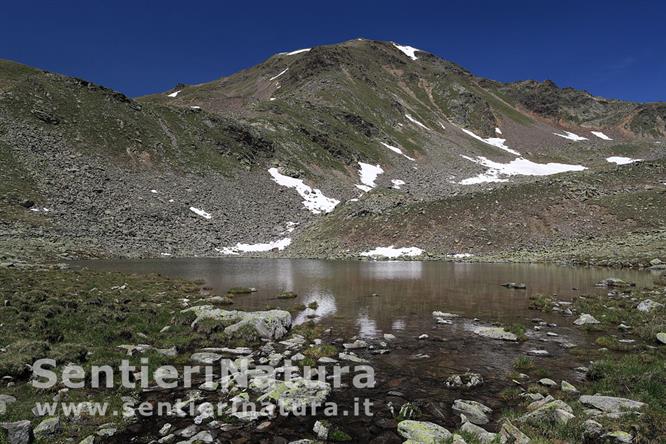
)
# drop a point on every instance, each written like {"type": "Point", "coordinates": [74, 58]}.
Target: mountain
{"type": "Point", "coordinates": [329, 151]}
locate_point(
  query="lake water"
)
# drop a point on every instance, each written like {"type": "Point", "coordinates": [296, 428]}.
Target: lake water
{"type": "Point", "coordinates": [369, 299]}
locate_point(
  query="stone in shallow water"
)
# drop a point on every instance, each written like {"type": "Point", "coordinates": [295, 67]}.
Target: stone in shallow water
{"type": "Point", "coordinates": [271, 324]}
{"type": "Point", "coordinates": [468, 380]}
{"type": "Point", "coordinates": [496, 333]}
{"type": "Point", "coordinates": [423, 432]}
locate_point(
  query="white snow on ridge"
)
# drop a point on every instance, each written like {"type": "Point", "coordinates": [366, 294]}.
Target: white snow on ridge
{"type": "Point", "coordinates": [494, 141]}
{"type": "Point", "coordinates": [298, 51]}
{"type": "Point", "coordinates": [313, 199]}
{"type": "Point", "coordinates": [409, 51]}
{"type": "Point", "coordinates": [621, 160]}
{"type": "Point", "coordinates": [460, 255]}
{"type": "Point", "coordinates": [280, 244]}
{"type": "Point", "coordinates": [571, 136]}
{"type": "Point", "coordinates": [520, 166]}
{"type": "Point", "coordinates": [391, 252]}
{"type": "Point", "coordinates": [498, 131]}
{"type": "Point", "coordinates": [601, 135]}
{"type": "Point", "coordinates": [276, 76]}
{"type": "Point", "coordinates": [200, 212]}
{"type": "Point", "coordinates": [395, 149]}
{"type": "Point", "coordinates": [368, 174]}
{"type": "Point", "coordinates": [397, 183]}
{"type": "Point", "coordinates": [416, 122]}
{"type": "Point", "coordinates": [175, 93]}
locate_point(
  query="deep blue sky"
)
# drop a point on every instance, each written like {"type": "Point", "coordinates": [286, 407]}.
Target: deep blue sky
{"type": "Point", "coordinates": [611, 48]}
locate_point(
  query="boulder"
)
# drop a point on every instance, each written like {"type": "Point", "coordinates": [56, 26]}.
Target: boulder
{"type": "Point", "coordinates": [568, 388]}
{"type": "Point", "coordinates": [475, 412]}
{"type": "Point", "coordinates": [271, 324]}
{"type": "Point", "coordinates": [19, 432]}
{"type": "Point", "coordinates": [592, 429]}
{"type": "Point", "coordinates": [554, 412]}
{"type": "Point", "coordinates": [511, 434]}
{"type": "Point", "coordinates": [423, 432]}
{"type": "Point", "coordinates": [443, 314]}
{"type": "Point", "coordinates": [648, 305]}
{"type": "Point", "coordinates": [467, 380]}
{"type": "Point", "coordinates": [661, 337]}
{"type": "Point", "coordinates": [586, 319]}
{"type": "Point", "coordinates": [484, 436]}
{"type": "Point", "coordinates": [48, 427]}
{"type": "Point", "coordinates": [496, 333]}
{"type": "Point", "coordinates": [547, 382]}
{"type": "Point", "coordinates": [205, 358]}
{"type": "Point", "coordinates": [611, 404]}
{"type": "Point", "coordinates": [297, 394]}
{"type": "Point", "coordinates": [618, 437]}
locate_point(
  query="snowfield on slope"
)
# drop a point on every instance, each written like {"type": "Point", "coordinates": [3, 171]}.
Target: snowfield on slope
{"type": "Point", "coordinates": [494, 141]}
{"type": "Point", "coordinates": [520, 166]}
{"type": "Point", "coordinates": [280, 244]}
{"type": "Point", "coordinates": [278, 75]}
{"type": "Point", "coordinates": [397, 183]}
{"type": "Point", "coordinates": [298, 51]}
{"type": "Point", "coordinates": [174, 94]}
{"type": "Point", "coordinates": [601, 135]}
{"type": "Point", "coordinates": [571, 136]}
{"type": "Point", "coordinates": [368, 174]}
{"type": "Point", "coordinates": [413, 120]}
{"type": "Point", "coordinates": [621, 160]}
{"type": "Point", "coordinates": [409, 51]}
{"type": "Point", "coordinates": [200, 212]}
{"type": "Point", "coordinates": [395, 149]}
{"type": "Point", "coordinates": [392, 252]}
{"type": "Point", "coordinates": [313, 199]}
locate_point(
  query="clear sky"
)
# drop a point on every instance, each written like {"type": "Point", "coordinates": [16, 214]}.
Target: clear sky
{"type": "Point", "coordinates": [610, 48]}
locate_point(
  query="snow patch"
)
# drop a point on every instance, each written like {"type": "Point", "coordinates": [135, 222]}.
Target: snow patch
{"type": "Point", "coordinates": [40, 210]}
{"type": "Point", "coordinates": [175, 93]}
{"type": "Point", "coordinates": [460, 255]}
{"type": "Point", "coordinates": [392, 252]}
{"type": "Point", "coordinates": [442, 125]}
{"type": "Point", "coordinates": [416, 122]}
{"type": "Point", "coordinates": [397, 183]}
{"type": "Point", "coordinates": [368, 174]}
{"type": "Point", "coordinates": [520, 166]}
{"type": "Point", "coordinates": [195, 107]}
{"type": "Point", "coordinates": [601, 135]}
{"type": "Point", "coordinates": [621, 160]}
{"type": "Point", "coordinates": [313, 199]}
{"type": "Point", "coordinates": [298, 51]}
{"type": "Point", "coordinates": [494, 141]}
{"type": "Point", "coordinates": [409, 51]}
{"type": "Point", "coordinates": [397, 150]}
{"type": "Point", "coordinates": [571, 136]}
{"type": "Point", "coordinates": [200, 212]}
{"type": "Point", "coordinates": [275, 77]}
{"type": "Point", "coordinates": [280, 244]}
{"type": "Point", "coordinates": [498, 131]}
{"type": "Point", "coordinates": [153, 191]}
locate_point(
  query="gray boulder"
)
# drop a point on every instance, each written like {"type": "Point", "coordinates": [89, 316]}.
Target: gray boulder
{"type": "Point", "coordinates": [586, 319]}
{"type": "Point", "coordinates": [271, 324]}
{"type": "Point", "coordinates": [611, 404]}
{"type": "Point", "coordinates": [475, 412]}
{"type": "Point", "coordinates": [423, 432]}
{"type": "Point", "coordinates": [48, 427]}
{"type": "Point", "coordinates": [19, 432]}
{"type": "Point", "coordinates": [648, 305]}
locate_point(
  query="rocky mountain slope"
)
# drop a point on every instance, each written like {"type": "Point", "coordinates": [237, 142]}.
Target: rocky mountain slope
{"type": "Point", "coordinates": [329, 151]}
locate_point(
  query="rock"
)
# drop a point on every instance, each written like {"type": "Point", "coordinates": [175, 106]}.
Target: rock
{"type": "Point", "coordinates": [409, 411]}
{"type": "Point", "coordinates": [511, 434]}
{"type": "Point", "coordinates": [655, 261]}
{"type": "Point", "coordinates": [614, 282]}
{"type": "Point", "coordinates": [611, 404]}
{"type": "Point", "coordinates": [423, 432]}
{"type": "Point", "coordinates": [48, 427]}
{"type": "Point", "coordinates": [468, 380]}
{"type": "Point", "coordinates": [19, 432]}
{"type": "Point", "coordinates": [166, 429]}
{"type": "Point", "coordinates": [6, 400]}
{"type": "Point", "coordinates": [541, 353]}
{"type": "Point", "coordinates": [264, 426]}
{"type": "Point", "coordinates": [515, 286]}
{"type": "Point", "coordinates": [484, 436]}
{"type": "Point", "coordinates": [457, 439]}
{"type": "Point", "coordinates": [553, 412]}
{"type": "Point", "coordinates": [352, 358]}
{"type": "Point", "coordinates": [203, 436]}
{"type": "Point", "coordinates": [586, 319]}
{"type": "Point", "coordinates": [661, 337]}
{"type": "Point", "coordinates": [423, 336]}
{"type": "Point", "coordinates": [443, 321]}
{"type": "Point", "coordinates": [547, 382]}
{"type": "Point", "coordinates": [389, 336]}
{"type": "Point", "coordinates": [167, 439]}
{"type": "Point", "coordinates": [321, 429]}
{"type": "Point", "coordinates": [221, 300]}
{"type": "Point", "coordinates": [475, 412]}
{"type": "Point", "coordinates": [170, 352]}
{"type": "Point", "coordinates": [297, 393]}
{"type": "Point", "coordinates": [107, 431]}
{"type": "Point", "coordinates": [648, 305]}
{"type": "Point", "coordinates": [271, 324]}
{"type": "Point", "coordinates": [496, 333]}
{"type": "Point", "coordinates": [592, 429]}
{"type": "Point", "coordinates": [298, 357]}
{"type": "Point", "coordinates": [287, 295]}
{"type": "Point", "coordinates": [617, 437]}
{"type": "Point", "coordinates": [355, 345]}
{"type": "Point", "coordinates": [90, 439]}
{"type": "Point", "coordinates": [444, 315]}
{"type": "Point", "coordinates": [568, 388]}
{"type": "Point", "coordinates": [205, 358]}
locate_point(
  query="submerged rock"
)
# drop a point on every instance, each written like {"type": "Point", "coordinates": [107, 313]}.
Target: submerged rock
{"type": "Point", "coordinates": [496, 333]}
{"type": "Point", "coordinates": [423, 432]}
{"type": "Point", "coordinates": [614, 282]}
{"type": "Point", "coordinates": [515, 286]}
{"type": "Point", "coordinates": [611, 404]}
{"type": "Point", "coordinates": [271, 324]}
{"type": "Point", "coordinates": [586, 319]}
